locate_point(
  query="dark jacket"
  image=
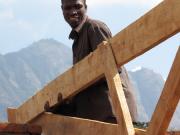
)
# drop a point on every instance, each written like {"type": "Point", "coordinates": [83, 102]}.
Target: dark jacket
{"type": "Point", "coordinates": [86, 40]}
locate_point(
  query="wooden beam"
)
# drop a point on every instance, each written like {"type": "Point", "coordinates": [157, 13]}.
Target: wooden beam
{"type": "Point", "coordinates": [116, 93]}
{"type": "Point", "coordinates": [64, 125]}
{"type": "Point", "coordinates": [19, 129]}
{"type": "Point", "coordinates": [147, 32]}
{"type": "Point", "coordinates": [168, 101]}
{"type": "Point", "coordinates": [67, 85]}
{"type": "Point", "coordinates": [11, 116]}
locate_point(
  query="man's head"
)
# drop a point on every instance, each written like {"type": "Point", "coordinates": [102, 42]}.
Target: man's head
{"type": "Point", "coordinates": [74, 11]}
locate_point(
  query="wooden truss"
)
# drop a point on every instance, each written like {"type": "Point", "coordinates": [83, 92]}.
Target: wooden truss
{"type": "Point", "coordinates": [153, 28]}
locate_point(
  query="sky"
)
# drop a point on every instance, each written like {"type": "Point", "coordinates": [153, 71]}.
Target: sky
{"type": "Point", "coordinates": [23, 22]}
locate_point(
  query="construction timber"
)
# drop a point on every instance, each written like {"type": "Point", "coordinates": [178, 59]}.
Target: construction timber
{"type": "Point", "coordinates": [149, 31]}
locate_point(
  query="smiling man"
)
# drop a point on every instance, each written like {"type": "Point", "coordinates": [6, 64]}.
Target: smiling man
{"type": "Point", "coordinates": [87, 33]}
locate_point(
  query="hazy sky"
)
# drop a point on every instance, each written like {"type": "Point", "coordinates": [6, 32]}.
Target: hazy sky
{"type": "Point", "coordinates": [23, 21]}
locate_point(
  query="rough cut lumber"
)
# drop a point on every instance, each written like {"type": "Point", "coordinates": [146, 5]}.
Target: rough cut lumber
{"type": "Point", "coordinates": [64, 125]}
{"type": "Point", "coordinates": [168, 101]}
{"type": "Point", "coordinates": [156, 26]}
{"type": "Point", "coordinates": [117, 94]}
{"type": "Point", "coordinates": [68, 84]}
{"type": "Point", "coordinates": [116, 91]}
{"type": "Point", "coordinates": [153, 28]}
{"type": "Point", "coordinates": [11, 115]}
{"type": "Point", "coordinates": [19, 129]}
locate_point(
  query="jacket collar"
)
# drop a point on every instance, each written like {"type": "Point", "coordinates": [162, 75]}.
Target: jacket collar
{"type": "Point", "coordinates": [75, 32]}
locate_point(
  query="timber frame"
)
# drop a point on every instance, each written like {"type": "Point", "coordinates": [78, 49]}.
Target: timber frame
{"type": "Point", "coordinates": [159, 24]}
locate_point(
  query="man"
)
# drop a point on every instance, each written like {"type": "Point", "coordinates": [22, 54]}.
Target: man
{"type": "Point", "coordinates": [93, 102]}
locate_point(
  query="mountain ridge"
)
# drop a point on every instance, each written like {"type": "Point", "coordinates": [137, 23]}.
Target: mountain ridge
{"type": "Point", "coordinates": [24, 72]}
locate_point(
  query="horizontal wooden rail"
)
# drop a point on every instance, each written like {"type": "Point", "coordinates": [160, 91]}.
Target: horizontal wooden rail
{"type": "Point", "coordinates": [64, 125]}
{"type": "Point", "coordinates": [19, 129]}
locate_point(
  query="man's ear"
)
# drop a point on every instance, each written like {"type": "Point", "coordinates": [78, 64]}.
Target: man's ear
{"type": "Point", "coordinates": [85, 6]}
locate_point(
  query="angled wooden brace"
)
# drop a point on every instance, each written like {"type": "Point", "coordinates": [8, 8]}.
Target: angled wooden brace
{"type": "Point", "coordinates": [168, 101]}
{"type": "Point", "coordinates": [150, 30]}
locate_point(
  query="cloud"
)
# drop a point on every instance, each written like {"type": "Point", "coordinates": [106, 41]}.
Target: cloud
{"type": "Point", "coordinates": [6, 15]}
{"type": "Point", "coordinates": [23, 25]}
{"type": "Point", "coordinates": [136, 69]}
{"type": "Point", "coordinates": [6, 2]}
{"type": "Point", "coordinates": [123, 2]}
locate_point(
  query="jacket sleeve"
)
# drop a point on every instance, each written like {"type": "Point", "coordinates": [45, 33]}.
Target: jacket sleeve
{"type": "Point", "coordinates": [98, 33]}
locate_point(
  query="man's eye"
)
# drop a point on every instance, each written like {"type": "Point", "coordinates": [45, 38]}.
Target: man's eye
{"type": "Point", "coordinates": [67, 8]}
{"type": "Point", "coordinates": [78, 6]}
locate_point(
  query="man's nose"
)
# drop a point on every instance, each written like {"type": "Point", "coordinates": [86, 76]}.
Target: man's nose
{"type": "Point", "coordinates": [73, 11]}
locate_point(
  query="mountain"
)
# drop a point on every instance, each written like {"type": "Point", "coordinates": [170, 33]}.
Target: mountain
{"type": "Point", "coordinates": [24, 72]}
{"type": "Point", "coordinates": [148, 87]}
{"type": "Point", "coordinates": [148, 90]}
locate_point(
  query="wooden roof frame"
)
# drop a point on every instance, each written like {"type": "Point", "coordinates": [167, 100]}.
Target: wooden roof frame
{"type": "Point", "coordinates": [159, 24]}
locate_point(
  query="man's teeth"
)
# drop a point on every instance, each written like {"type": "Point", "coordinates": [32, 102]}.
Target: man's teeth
{"type": "Point", "coordinates": [73, 18]}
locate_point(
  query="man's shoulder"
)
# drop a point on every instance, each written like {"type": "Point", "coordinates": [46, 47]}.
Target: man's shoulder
{"type": "Point", "coordinates": [92, 23]}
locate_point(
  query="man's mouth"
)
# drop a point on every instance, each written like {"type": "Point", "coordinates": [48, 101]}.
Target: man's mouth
{"type": "Point", "coordinates": [73, 18]}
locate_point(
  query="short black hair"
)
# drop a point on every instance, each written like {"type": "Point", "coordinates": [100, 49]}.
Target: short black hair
{"type": "Point", "coordinates": [83, 0]}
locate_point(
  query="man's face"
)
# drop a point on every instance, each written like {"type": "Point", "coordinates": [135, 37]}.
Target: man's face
{"type": "Point", "coordinates": [74, 12]}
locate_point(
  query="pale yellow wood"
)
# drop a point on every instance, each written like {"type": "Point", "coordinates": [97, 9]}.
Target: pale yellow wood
{"type": "Point", "coordinates": [11, 113]}
{"type": "Point", "coordinates": [116, 92]}
{"type": "Point", "coordinates": [153, 28]}
{"type": "Point", "coordinates": [64, 125]}
{"type": "Point", "coordinates": [68, 84]}
{"type": "Point", "coordinates": [140, 131]}
{"type": "Point", "coordinates": [168, 101]}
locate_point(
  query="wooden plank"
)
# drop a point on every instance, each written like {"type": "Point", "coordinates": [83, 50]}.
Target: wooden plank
{"type": "Point", "coordinates": [11, 112]}
{"type": "Point", "coordinates": [116, 93]}
{"type": "Point", "coordinates": [19, 128]}
{"type": "Point", "coordinates": [153, 28]}
{"type": "Point", "coordinates": [68, 84]}
{"type": "Point", "coordinates": [168, 101]}
{"type": "Point", "coordinates": [137, 36]}
{"type": "Point", "coordinates": [64, 125]}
